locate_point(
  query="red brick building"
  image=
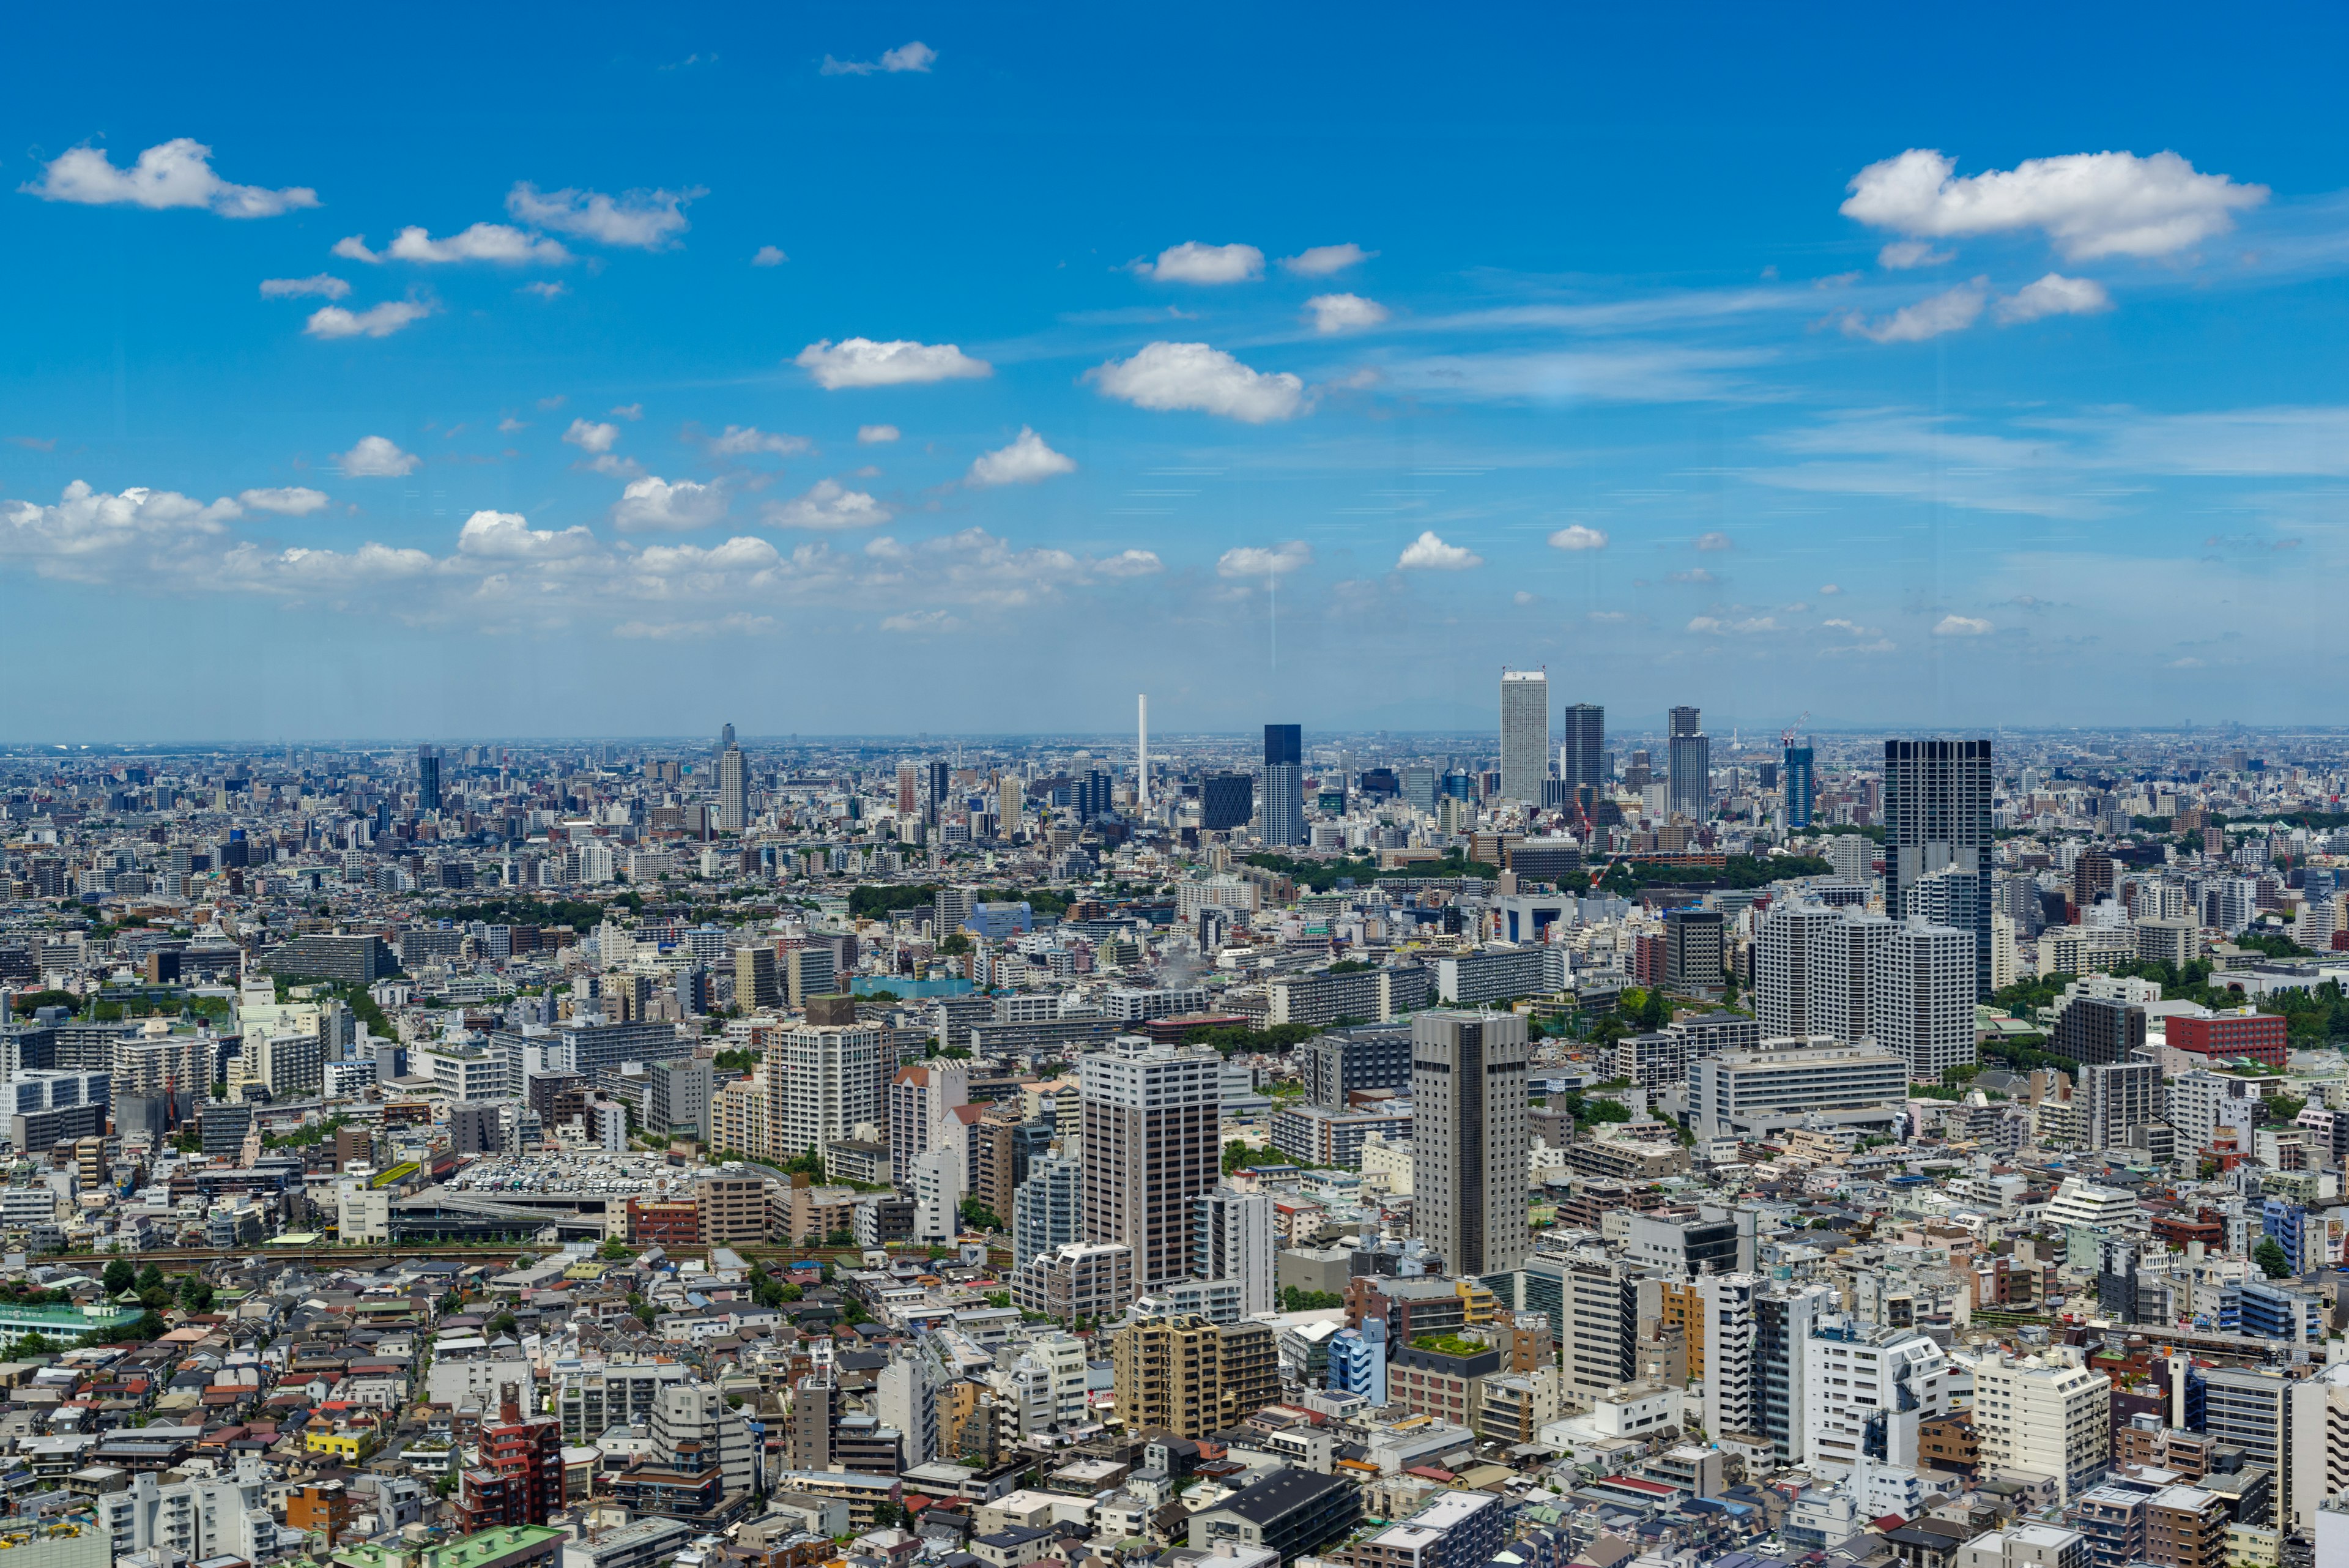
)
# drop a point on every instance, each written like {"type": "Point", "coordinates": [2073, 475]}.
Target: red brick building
{"type": "Point", "coordinates": [664, 1224]}
{"type": "Point", "coordinates": [2231, 1036]}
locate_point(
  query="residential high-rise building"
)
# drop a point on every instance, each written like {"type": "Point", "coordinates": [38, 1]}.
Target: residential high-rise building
{"type": "Point", "coordinates": [1582, 749]}
{"type": "Point", "coordinates": [921, 1100]}
{"type": "Point", "coordinates": [1231, 1240]}
{"type": "Point", "coordinates": [2120, 1095]}
{"type": "Point", "coordinates": [2252, 1407]}
{"type": "Point", "coordinates": [1150, 1115]}
{"type": "Point", "coordinates": [428, 778]}
{"type": "Point", "coordinates": [1799, 970]}
{"type": "Point", "coordinates": [1013, 800]}
{"type": "Point", "coordinates": [1693, 949]}
{"type": "Point", "coordinates": [909, 791]}
{"type": "Point", "coordinates": [1865, 1392]}
{"type": "Point", "coordinates": [1922, 997]}
{"type": "Point", "coordinates": [1047, 1211]}
{"type": "Point", "coordinates": [1689, 753]}
{"type": "Point", "coordinates": [1936, 798]}
{"type": "Point", "coordinates": [1227, 800]}
{"type": "Point", "coordinates": [1525, 733]}
{"type": "Point", "coordinates": [1284, 784]}
{"type": "Point", "coordinates": [1599, 1328]}
{"type": "Point", "coordinates": [733, 791]}
{"type": "Point", "coordinates": [1799, 783]}
{"type": "Point", "coordinates": [754, 978]}
{"type": "Point", "coordinates": [831, 1076]}
{"type": "Point", "coordinates": [1191, 1378]}
{"type": "Point", "coordinates": [2035, 1418]}
{"type": "Point", "coordinates": [1469, 1139]}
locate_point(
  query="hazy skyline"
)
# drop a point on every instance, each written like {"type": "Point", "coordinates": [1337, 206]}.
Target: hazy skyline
{"type": "Point", "coordinates": [911, 368]}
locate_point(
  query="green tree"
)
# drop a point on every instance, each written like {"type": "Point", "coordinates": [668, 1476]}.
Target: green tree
{"type": "Point", "coordinates": [2269, 1256]}
{"type": "Point", "coordinates": [151, 1278]}
{"type": "Point", "coordinates": [504, 1322]}
{"type": "Point", "coordinates": [979, 1216]}
{"type": "Point", "coordinates": [119, 1276]}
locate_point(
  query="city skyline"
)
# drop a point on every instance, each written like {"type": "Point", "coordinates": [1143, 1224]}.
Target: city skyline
{"type": "Point", "coordinates": [2005, 394]}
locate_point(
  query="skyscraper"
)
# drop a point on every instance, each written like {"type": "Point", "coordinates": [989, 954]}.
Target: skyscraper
{"type": "Point", "coordinates": [428, 778]}
{"type": "Point", "coordinates": [1008, 807]}
{"type": "Point", "coordinates": [1921, 1000]}
{"type": "Point", "coordinates": [1231, 1238]}
{"type": "Point", "coordinates": [1936, 798]}
{"type": "Point", "coordinates": [1525, 733]}
{"type": "Point", "coordinates": [1227, 800]}
{"type": "Point", "coordinates": [725, 740]}
{"type": "Point", "coordinates": [1150, 1115]}
{"type": "Point", "coordinates": [941, 776]}
{"type": "Point", "coordinates": [1690, 753]}
{"type": "Point", "coordinates": [733, 791]}
{"type": "Point", "coordinates": [1798, 787]}
{"type": "Point", "coordinates": [909, 790]}
{"type": "Point", "coordinates": [1799, 970]}
{"type": "Point", "coordinates": [1582, 749]}
{"type": "Point", "coordinates": [1284, 784]}
{"type": "Point", "coordinates": [1469, 1139]}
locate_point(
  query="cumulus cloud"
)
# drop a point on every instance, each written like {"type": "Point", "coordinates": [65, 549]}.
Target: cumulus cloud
{"type": "Point", "coordinates": [1697, 577]}
{"type": "Point", "coordinates": [589, 436]}
{"type": "Point", "coordinates": [376, 457]}
{"type": "Point", "coordinates": [1130, 564]}
{"type": "Point", "coordinates": [1165, 375]}
{"type": "Point", "coordinates": [827, 504]}
{"type": "Point", "coordinates": [326, 286]}
{"type": "Point", "coordinates": [1962, 625]}
{"type": "Point", "coordinates": [1192, 262]}
{"type": "Point", "coordinates": [1322, 261]}
{"type": "Point", "coordinates": [1714, 541]}
{"type": "Point", "coordinates": [652, 502]}
{"type": "Point", "coordinates": [1429, 552]}
{"type": "Point", "coordinates": [1344, 312]}
{"type": "Point", "coordinates": [872, 435]}
{"type": "Point", "coordinates": [1902, 254]}
{"type": "Point", "coordinates": [2054, 295]}
{"type": "Point", "coordinates": [500, 243]}
{"type": "Point", "coordinates": [292, 501]}
{"type": "Point", "coordinates": [646, 220]}
{"type": "Point", "coordinates": [914, 57]}
{"type": "Point", "coordinates": [1829, 589]}
{"type": "Point", "coordinates": [744, 440]}
{"type": "Point", "coordinates": [1578, 536]}
{"type": "Point", "coordinates": [862, 363]}
{"type": "Point", "coordinates": [547, 289]}
{"type": "Point", "coordinates": [175, 173]}
{"type": "Point", "coordinates": [2090, 204]}
{"type": "Point", "coordinates": [508, 536]}
{"type": "Point", "coordinates": [1953, 310]}
{"type": "Point", "coordinates": [332, 321]}
{"type": "Point", "coordinates": [768, 255]}
{"type": "Point", "coordinates": [1714, 626]}
{"type": "Point", "coordinates": [1249, 561]}
{"type": "Point", "coordinates": [1026, 460]}
{"type": "Point", "coordinates": [90, 534]}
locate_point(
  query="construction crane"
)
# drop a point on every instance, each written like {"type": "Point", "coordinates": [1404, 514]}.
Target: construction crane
{"type": "Point", "coordinates": [1786, 736]}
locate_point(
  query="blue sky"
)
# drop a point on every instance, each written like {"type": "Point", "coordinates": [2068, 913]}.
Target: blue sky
{"type": "Point", "coordinates": [894, 369]}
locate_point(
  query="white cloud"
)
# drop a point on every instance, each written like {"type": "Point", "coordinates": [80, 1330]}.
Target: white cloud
{"type": "Point", "coordinates": [2054, 295]}
{"type": "Point", "coordinates": [1578, 536]}
{"type": "Point", "coordinates": [293, 500]}
{"type": "Point", "coordinates": [652, 502]}
{"type": "Point", "coordinates": [1523, 597]}
{"type": "Point", "coordinates": [1344, 312]}
{"type": "Point", "coordinates": [1951, 311]}
{"type": "Point", "coordinates": [1429, 552]}
{"type": "Point", "coordinates": [862, 363]}
{"type": "Point", "coordinates": [914, 57]}
{"type": "Point", "coordinates": [1962, 625]}
{"type": "Point", "coordinates": [1193, 376]}
{"type": "Point", "coordinates": [740, 624]}
{"type": "Point", "coordinates": [1696, 576]}
{"type": "Point", "coordinates": [1608, 618]}
{"type": "Point", "coordinates": [743, 440]}
{"type": "Point", "coordinates": [827, 504]}
{"type": "Point", "coordinates": [1322, 261]}
{"type": "Point", "coordinates": [90, 536]}
{"type": "Point", "coordinates": [2090, 204]}
{"type": "Point", "coordinates": [332, 321]}
{"type": "Point", "coordinates": [377, 457]}
{"type": "Point", "coordinates": [872, 435]}
{"type": "Point", "coordinates": [508, 536]}
{"type": "Point", "coordinates": [1249, 561]}
{"type": "Point", "coordinates": [1902, 254]}
{"type": "Point", "coordinates": [498, 243]}
{"type": "Point", "coordinates": [326, 286]}
{"type": "Point", "coordinates": [1025, 461]}
{"type": "Point", "coordinates": [1192, 262]}
{"type": "Point", "coordinates": [1829, 588]}
{"type": "Point", "coordinates": [768, 255]}
{"type": "Point", "coordinates": [1714, 541]}
{"type": "Point", "coordinates": [921, 620]}
{"type": "Point", "coordinates": [175, 174]}
{"type": "Point", "coordinates": [1851, 649]}
{"type": "Point", "coordinates": [546, 289]}
{"type": "Point", "coordinates": [615, 466]}
{"type": "Point", "coordinates": [1714, 626]}
{"type": "Point", "coordinates": [1130, 564]}
{"type": "Point", "coordinates": [647, 220]}
{"type": "Point", "coordinates": [626, 411]}
{"type": "Point", "coordinates": [589, 436]}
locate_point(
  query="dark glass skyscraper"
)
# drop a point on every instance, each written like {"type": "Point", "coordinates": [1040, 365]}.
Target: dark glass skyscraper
{"type": "Point", "coordinates": [1284, 784]}
{"type": "Point", "coordinates": [1690, 764]}
{"type": "Point", "coordinates": [940, 780]}
{"type": "Point", "coordinates": [1227, 800]}
{"type": "Point", "coordinates": [428, 778]}
{"type": "Point", "coordinates": [1798, 787]}
{"type": "Point", "coordinates": [1582, 748]}
{"type": "Point", "coordinates": [1937, 818]}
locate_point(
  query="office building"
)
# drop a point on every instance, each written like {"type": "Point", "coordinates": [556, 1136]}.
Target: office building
{"type": "Point", "coordinates": [1231, 1240]}
{"type": "Point", "coordinates": [2120, 1095]}
{"type": "Point", "coordinates": [1582, 750]}
{"type": "Point", "coordinates": [1419, 787]}
{"type": "Point", "coordinates": [2034, 1419]}
{"type": "Point", "coordinates": [1283, 820]}
{"type": "Point", "coordinates": [1694, 950]}
{"type": "Point", "coordinates": [1937, 816]}
{"type": "Point", "coordinates": [1795, 1081]}
{"type": "Point", "coordinates": [1227, 800]}
{"type": "Point", "coordinates": [427, 779]}
{"type": "Point", "coordinates": [1469, 1139]}
{"type": "Point", "coordinates": [1335, 1064]}
{"type": "Point", "coordinates": [1798, 781]}
{"type": "Point", "coordinates": [1868, 1391]}
{"type": "Point", "coordinates": [754, 978]}
{"type": "Point", "coordinates": [1524, 734]}
{"type": "Point", "coordinates": [1922, 997]}
{"type": "Point", "coordinates": [1689, 752]}
{"type": "Point", "coordinates": [2252, 1408]}
{"type": "Point", "coordinates": [2100, 1030]}
{"type": "Point", "coordinates": [733, 791]}
{"type": "Point", "coordinates": [940, 778]}
{"type": "Point", "coordinates": [1193, 1378]}
{"type": "Point", "coordinates": [824, 1077]}
{"type": "Point", "coordinates": [342, 959]}
{"type": "Point", "coordinates": [809, 971]}
{"type": "Point", "coordinates": [1599, 1328]}
{"type": "Point", "coordinates": [1150, 1115]}
{"type": "Point", "coordinates": [677, 1104]}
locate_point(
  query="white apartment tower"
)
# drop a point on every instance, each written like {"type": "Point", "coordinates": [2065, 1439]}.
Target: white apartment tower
{"type": "Point", "coordinates": [2034, 1419]}
{"type": "Point", "coordinates": [1231, 1240]}
{"type": "Point", "coordinates": [831, 1078]}
{"type": "Point", "coordinates": [1151, 1114]}
{"type": "Point", "coordinates": [1922, 997]}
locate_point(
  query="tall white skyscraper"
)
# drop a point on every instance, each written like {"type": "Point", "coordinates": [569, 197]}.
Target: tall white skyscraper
{"type": "Point", "coordinates": [1525, 733]}
{"type": "Point", "coordinates": [1922, 997]}
{"type": "Point", "coordinates": [1469, 1140]}
{"type": "Point", "coordinates": [733, 791]}
{"type": "Point", "coordinates": [831, 1078]}
{"type": "Point", "coordinates": [1799, 972]}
